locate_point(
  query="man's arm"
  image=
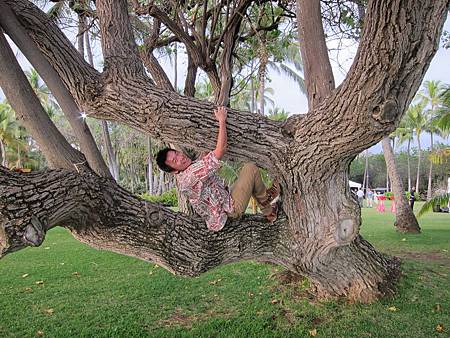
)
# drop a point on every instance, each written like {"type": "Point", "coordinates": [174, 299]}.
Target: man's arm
{"type": "Point", "coordinates": [221, 147]}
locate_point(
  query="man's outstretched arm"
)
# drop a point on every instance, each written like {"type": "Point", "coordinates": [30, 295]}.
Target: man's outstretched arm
{"type": "Point", "coordinates": [221, 147]}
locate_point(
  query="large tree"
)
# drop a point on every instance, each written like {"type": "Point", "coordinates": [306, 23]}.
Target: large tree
{"type": "Point", "coordinates": [318, 233]}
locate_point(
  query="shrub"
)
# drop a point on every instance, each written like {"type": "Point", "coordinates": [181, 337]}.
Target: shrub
{"type": "Point", "coordinates": [168, 198]}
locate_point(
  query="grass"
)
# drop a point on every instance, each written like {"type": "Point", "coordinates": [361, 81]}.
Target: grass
{"type": "Point", "coordinates": [66, 289]}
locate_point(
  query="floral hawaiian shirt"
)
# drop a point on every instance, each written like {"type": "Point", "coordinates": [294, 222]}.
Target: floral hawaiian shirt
{"type": "Point", "coordinates": [206, 191]}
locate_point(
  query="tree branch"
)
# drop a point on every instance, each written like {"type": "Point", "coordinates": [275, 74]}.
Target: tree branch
{"type": "Point", "coordinates": [103, 215]}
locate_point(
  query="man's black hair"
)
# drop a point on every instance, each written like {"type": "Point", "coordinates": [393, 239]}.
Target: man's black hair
{"type": "Point", "coordinates": [161, 160]}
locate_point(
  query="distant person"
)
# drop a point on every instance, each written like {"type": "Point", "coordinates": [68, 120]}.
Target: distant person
{"type": "Point", "coordinates": [412, 197]}
{"type": "Point", "coordinates": [360, 195]}
{"type": "Point", "coordinates": [369, 198]}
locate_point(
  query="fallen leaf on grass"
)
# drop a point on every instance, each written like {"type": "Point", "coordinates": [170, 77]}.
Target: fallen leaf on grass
{"type": "Point", "coordinates": [403, 239]}
{"type": "Point", "coordinates": [392, 308]}
{"type": "Point", "coordinates": [313, 332]}
{"type": "Point", "coordinates": [47, 248]}
{"type": "Point", "coordinates": [440, 328]}
{"type": "Point", "coordinates": [39, 282]}
{"type": "Point", "coordinates": [76, 274]}
{"type": "Point", "coordinates": [49, 311]}
{"type": "Point", "coordinates": [437, 307]}
{"type": "Point", "coordinates": [28, 289]}
{"type": "Point", "coordinates": [25, 275]}
{"type": "Point", "coordinates": [274, 301]}
{"type": "Point", "coordinates": [40, 333]}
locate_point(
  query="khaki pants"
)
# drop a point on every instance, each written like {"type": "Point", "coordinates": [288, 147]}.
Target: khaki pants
{"type": "Point", "coordinates": [248, 184]}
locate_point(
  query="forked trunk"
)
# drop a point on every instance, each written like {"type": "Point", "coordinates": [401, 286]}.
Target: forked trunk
{"type": "Point", "coordinates": [405, 219]}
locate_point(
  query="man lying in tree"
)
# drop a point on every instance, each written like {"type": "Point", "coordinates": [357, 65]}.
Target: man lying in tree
{"type": "Point", "coordinates": [209, 197]}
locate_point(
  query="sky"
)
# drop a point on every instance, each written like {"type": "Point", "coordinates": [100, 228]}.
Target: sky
{"type": "Point", "coordinates": [287, 94]}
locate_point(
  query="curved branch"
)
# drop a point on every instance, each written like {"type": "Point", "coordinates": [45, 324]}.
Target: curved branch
{"type": "Point", "coordinates": [104, 215]}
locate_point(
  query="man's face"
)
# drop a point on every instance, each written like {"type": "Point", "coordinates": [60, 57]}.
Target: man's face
{"type": "Point", "coordinates": [177, 160]}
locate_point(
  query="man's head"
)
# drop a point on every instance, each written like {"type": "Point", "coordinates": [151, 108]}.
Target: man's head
{"type": "Point", "coordinates": [172, 161]}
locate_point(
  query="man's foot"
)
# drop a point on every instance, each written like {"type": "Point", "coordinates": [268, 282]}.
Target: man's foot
{"type": "Point", "coordinates": [273, 193]}
{"type": "Point", "coordinates": [272, 217]}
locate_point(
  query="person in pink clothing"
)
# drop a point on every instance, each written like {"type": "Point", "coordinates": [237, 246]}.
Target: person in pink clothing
{"type": "Point", "coordinates": [209, 197]}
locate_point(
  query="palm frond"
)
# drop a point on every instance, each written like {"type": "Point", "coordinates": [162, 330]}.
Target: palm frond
{"type": "Point", "coordinates": [441, 200]}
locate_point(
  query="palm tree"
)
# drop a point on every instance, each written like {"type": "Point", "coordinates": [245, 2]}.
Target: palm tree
{"type": "Point", "coordinates": [415, 118]}
{"type": "Point", "coordinates": [9, 132]}
{"type": "Point", "coordinates": [431, 95]}
{"type": "Point", "coordinates": [404, 133]}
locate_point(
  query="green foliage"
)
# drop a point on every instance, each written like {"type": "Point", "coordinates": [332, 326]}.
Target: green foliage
{"type": "Point", "coordinates": [389, 195]}
{"type": "Point", "coordinates": [437, 201]}
{"type": "Point", "coordinates": [168, 198]}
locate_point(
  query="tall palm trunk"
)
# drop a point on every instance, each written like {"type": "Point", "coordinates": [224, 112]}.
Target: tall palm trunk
{"type": "Point", "coordinates": [366, 172]}
{"type": "Point", "coordinates": [430, 172]}
{"type": "Point", "coordinates": [175, 68]}
{"type": "Point", "coordinates": [405, 219]}
{"type": "Point", "coordinates": [3, 154]}
{"type": "Point", "coordinates": [418, 162]}
{"type": "Point", "coordinates": [150, 166]}
{"type": "Point", "coordinates": [409, 165]}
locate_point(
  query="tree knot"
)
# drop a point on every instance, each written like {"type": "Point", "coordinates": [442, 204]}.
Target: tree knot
{"type": "Point", "coordinates": [386, 112]}
{"type": "Point", "coordinates": [34, 232]}
{"type": "Point", "coordinates": [346, 231]}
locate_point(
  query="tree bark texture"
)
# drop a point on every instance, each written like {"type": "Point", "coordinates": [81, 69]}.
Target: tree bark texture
{"type": "Point", "coordinates": [405, 219]}
{"type": "Point", "coordinates": [319, 234]}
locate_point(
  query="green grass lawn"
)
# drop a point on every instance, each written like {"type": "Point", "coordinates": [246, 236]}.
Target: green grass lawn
{"type": "Point", "coordinates": [66, 289]}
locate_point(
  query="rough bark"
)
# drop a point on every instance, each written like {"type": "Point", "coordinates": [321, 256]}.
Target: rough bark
{"type": "Point", "coordinates": [405, 219]}
{"type": "Point", "coordinates": [310, 154]}
{"type": "Point", "coordinates": [150, 166]}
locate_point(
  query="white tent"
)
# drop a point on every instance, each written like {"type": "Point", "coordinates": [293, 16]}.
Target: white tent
{"type": "Point", "coordinates": [354, 184]}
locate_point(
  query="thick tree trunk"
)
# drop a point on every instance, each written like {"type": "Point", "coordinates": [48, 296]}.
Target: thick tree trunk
{"type": "Point", "coordinates": [405, 219]}
{"type": "Point", "coordinates": [310, 154]}
{"type": "Point", "coordinates": [430, 172]}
